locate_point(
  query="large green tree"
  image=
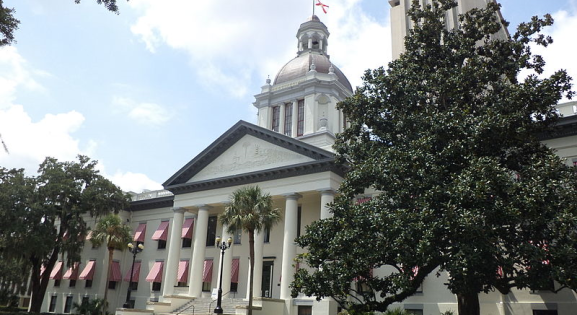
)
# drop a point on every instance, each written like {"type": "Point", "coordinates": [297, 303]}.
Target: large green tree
{"type": "Point", "coordinates": [449, 137]}
{"type": "Point", "coordinates": [111, 232]}
{"type": "Point", "coordinates": [47, 220]}
{"type": "Point", "coordinates": [250, 211]}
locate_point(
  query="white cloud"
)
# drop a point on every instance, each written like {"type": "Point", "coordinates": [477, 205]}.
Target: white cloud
{"type": "Point", "coordinates": [134, 182]}
{"type": "Point", "coordinates": [229, 41]}
{"type": "Point", "coordinates": [15, 72]}
{"type": "Point", "coordinates": [143, 113]}
{"type": "Point", "coordinates": [561, 54]}
{"type": "Point", "coordinates": [30, 141]}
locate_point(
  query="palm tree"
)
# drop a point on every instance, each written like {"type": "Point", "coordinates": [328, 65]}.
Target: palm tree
{"type": "Point", "coordinates": [110, 231]}
{"type": "Point", "coordinates": [251, 211]}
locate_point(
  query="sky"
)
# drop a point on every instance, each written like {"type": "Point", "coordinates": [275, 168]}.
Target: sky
{"type": "Point", "coordinates": [143, 92]}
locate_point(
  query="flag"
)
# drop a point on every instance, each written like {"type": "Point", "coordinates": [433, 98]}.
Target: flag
{"type": "Point", "coordinates": [322, 5]}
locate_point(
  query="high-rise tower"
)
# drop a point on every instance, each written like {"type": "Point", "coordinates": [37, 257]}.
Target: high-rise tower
{"type": "Point", "coordinates": [401, 22]}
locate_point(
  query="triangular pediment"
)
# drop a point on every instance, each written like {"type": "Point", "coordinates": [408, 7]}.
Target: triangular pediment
{"type": "Point", "coordinates": [246, 154]}
{"type": "Point", "coordinates": [249, 154]}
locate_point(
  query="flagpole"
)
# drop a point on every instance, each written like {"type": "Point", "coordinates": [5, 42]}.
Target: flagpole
{"type": "Point", "coordinates": [313, 7]}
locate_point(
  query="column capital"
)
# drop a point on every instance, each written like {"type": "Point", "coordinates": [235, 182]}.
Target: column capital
{"type": "Point", "coordinates": [292, 195]}
{"type": "Point", "coordinates": [179, 210]}
{"type": "Point", "coordinates": [203, 207]}
{"type": "Point", "coordinates": [327, 191]}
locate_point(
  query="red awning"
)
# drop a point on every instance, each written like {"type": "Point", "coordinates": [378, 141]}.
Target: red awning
{"type": "Point", "coordinates": [155, 274]}
{"type": "Point", "coordinates": [140, 233]}
{"type": "Point", "coordinates": [135, 272]}
{"type": "Point", "coordinates": [162, 232]}
{"type": "Point", "coordinates": [234, 271]}
{"type": "Point", "coordinates": [187, 228]}
{"type": "Point", "coordinates": [182, 271]}
{"type": "Point", "coordinates": [72, 272]}
{"type": "Point", "coordinates": [88, 271]}
{"type": "Point", "coordinates": [56, 273]}
{"type": "Point", "coordinates": [207, 271]}
{"type": "Point", "coordinates": [115, 274]}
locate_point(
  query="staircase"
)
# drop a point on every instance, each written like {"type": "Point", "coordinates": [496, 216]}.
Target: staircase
{"type": "Point", "coordinates": [205, 306]}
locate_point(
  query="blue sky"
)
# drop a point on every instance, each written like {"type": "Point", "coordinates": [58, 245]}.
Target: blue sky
{"type": "Point", "coordinates": [146, 90]}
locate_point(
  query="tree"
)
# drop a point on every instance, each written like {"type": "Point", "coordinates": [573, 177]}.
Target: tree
{"type": "Point", "coordinates": [111, 232]}
{"type": "Point", "coordinates": [251, 211]}
{"type": "Point", "coordinates": [449, 137]}
{"type": "Point", "coordinates": [9, 24]}
{"type": "Point", "coordinates": [46, 216]}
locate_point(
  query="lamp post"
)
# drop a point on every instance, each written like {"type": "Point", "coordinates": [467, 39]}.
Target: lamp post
{"type": "Point", "coordinates": [134, 250]}
{"type": "Point", "coordinates": [223, 246]}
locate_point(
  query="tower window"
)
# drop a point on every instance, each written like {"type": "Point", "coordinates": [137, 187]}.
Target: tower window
{"type": "Point", "coordinates": [301, 118]}
{"type": "Point", "coordinates": [275, 118]}
{"type": "Point", "coordinates": [288, 119]}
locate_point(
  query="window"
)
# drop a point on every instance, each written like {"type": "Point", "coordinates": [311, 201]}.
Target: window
{"type": "Point", "coordinates": [300, 118]}
{"type": "Point", "coordinates": [237, 236]}
{"type": "Point", "coordinates": [206, 286]}
{"type": "Point", "coordinates": [52, 306]}
{"type": "Point", "coordinates": [211, 231]}
{"type": "Point", "coordinates": [266, 235]}
{"type": "Point", "coordinates": [72, 283]}
{"type": "Point", "coordinates": [88, 284]}
{"type": "Point", "coordinates": [414, 311]}
{"type": "Point", "coordinates": [186, 242]}
{"type": "Point", "coordinates": [305, 310]}
{"type": "Point", "coordinates": [85, 300]}
{"type": "Point", "coordinates": [161, 244]}
{"type": "Point", "coordinates": [133, 286]}
{"type": "Point", "coordinates": [299, 217]}
{"type": "Point", "coordinates": [233, 287]}
{"type": "Point", "coordinates": [156, 286]}
{"type": "Point", "coordinates": [111, 285]}
{"type": "Point", "coordinates": [68, 304]}
{"type": "Point", "coordinates": [544, 312]}
{"type": "Point", "coordinates": [275, 118]}
{"type": "Point", "coordinates": [288, 119]}
{"type": "Point", "coordinates": [57, 282]}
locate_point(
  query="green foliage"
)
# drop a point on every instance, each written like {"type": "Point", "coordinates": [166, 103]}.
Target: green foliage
{"type": "Point", "coordinates": [449, 138]}
{"type": "Point", "coordinates": [91, 307]}
{"type": "Point", "coordinates": [110, 231]}
{"type": "Point", "coordinates": [45, 216]}
{"type": "Point", "coordinates": [8, 24]}
{"type": "Point", "coordinates": [251, 211]}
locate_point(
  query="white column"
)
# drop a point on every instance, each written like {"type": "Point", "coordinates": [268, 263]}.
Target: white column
{"type": "Point", "coordinates": [289, 248]}
{"type": "Point", "coordinates": [295, 117]}
{"type": "Point", "coordinates": [327, 196]}
{"type": "Point", "coordinates": [281, 119]}
{"type": "Point", "coordinates": [227, 263]}
{"type": "Point", "coordinates": [258, 249]}
{"type": "Point", "coordinates": [195, 275]}
{"type": "Point", "coordinates": [171, 267]}
{"type": "Point", "coordinates": [310, 43]}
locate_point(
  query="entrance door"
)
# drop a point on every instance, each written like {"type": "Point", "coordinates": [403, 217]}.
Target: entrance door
{"type": "Point", "coordinates": [267, 270]}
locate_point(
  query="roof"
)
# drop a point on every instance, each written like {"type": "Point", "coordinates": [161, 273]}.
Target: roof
{"type": "Point", "coordinates": [300, 66]}
{"type": "Point", "coordinates": [320, 161]}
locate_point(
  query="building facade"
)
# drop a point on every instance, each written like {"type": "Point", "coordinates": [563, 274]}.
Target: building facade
{"type": "Point", "coordinates": [289, 155]}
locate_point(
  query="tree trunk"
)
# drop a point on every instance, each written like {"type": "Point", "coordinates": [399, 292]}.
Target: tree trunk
{"type": "Point", "coordinates": [251, 280]}
{"type": "Point", "coordinates": [40, 283]}
{"type": "Point", "coordinates": [110, 255]}
{"type": "Point", "coordinates": [468, 303]}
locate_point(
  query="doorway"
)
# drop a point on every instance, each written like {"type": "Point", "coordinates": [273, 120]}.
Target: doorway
{"type": "Point", "coordinates": [267, 272]}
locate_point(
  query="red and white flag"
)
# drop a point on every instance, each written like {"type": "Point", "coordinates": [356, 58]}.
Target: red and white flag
{"type": "Point", "coordinates": [322, 5]}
